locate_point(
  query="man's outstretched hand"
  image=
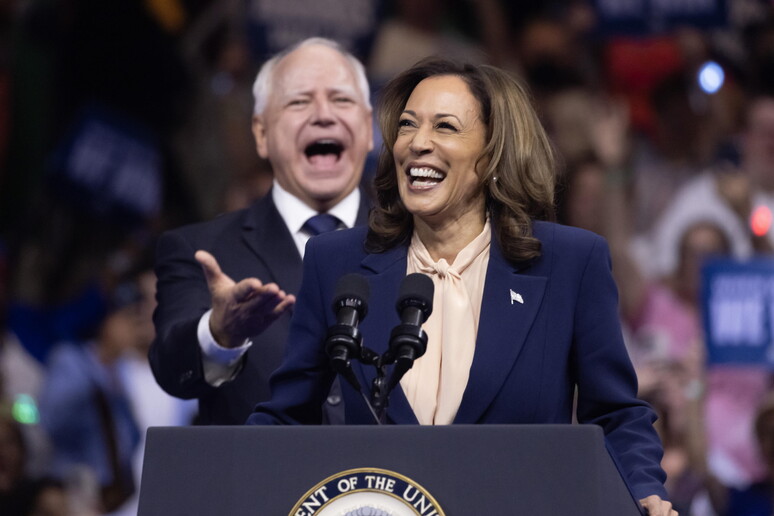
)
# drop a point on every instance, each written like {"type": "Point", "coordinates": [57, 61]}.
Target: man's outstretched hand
{"type": "Point", "coordinates": [240, 310]}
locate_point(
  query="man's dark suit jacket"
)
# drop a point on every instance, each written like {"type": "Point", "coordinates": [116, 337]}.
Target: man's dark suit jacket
{"type": "Point", "coordinates": [562, 330]}
{"type": "Point", "coordinates": [254, 242]}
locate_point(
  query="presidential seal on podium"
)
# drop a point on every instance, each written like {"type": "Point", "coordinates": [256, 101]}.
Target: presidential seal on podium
{"type": "Point", "coordinates": [367, 492]}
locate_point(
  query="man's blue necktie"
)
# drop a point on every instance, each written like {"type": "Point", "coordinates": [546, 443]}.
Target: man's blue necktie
{"type": "Point", "coordinates": [321, 223]}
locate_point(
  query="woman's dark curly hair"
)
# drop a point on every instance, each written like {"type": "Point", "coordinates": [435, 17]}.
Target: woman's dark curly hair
{"type": "Point", "coordinates": [518, 179]}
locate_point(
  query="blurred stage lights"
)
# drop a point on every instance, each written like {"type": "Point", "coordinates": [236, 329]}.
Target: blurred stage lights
{"type": "Point", "coordinates": [25, 410]}
{"type": "Point", "coordinates": [760, 221]}
{"type": "Point", "coordinates": [711, 77]}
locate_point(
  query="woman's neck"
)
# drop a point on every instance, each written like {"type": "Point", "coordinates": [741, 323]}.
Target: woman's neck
{"type": "Point", "coordinates": [445, 240]}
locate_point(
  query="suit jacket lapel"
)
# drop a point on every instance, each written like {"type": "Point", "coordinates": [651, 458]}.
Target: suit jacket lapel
{"type": "Point", "coordinates": [502, 331]}
{"type": "Point", "coordinates": [267, 235]}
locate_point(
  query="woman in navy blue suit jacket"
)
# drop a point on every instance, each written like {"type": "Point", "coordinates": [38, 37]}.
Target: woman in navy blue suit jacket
{"type": "Point", "coordinates": [464, 152]}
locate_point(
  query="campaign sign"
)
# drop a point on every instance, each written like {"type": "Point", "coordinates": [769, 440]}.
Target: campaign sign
{"type": "Point", "coordinates": [276, 24]}
{"type": "Point", "coordinates": [645, 17]}
{"type": "Point", "coordinates": [110, 164]}
{"type": "Point", "coordinates": [738, 311]}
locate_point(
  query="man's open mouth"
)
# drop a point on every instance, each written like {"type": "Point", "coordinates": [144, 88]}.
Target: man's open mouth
{"type": "Point", "coordinates": [425, 176]}
{"type": "Point", "coordinates": [324, 152]}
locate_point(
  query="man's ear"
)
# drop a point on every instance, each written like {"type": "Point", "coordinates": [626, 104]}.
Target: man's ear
{"type": "Point", "coordinates": [259, 133]}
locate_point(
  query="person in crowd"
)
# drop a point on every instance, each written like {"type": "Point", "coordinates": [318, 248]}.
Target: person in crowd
{"type": "Point", "coordinates": [85, 410]}
{"type": "Point", "coordinates": [738, 203]}
{"type": "Point", "coordinates": [21, 493]}
{"type": "Point", "coordinates": [13, 455]}
{"type": "Point", "coordinates": [419, 29]}
{"type": "Point", "coordinates": [525, 310]}
{"type": "Point", "coordinates": [661, 317]}
{"type": "Point", "coordinates": [726, 195]}
{"type": "Point", "coordinates": [668, 351]}
{"type": "Point", "coordinates": [21, 377]}
{"type": "Point", "coordinates": [150, 405]}
{"type": "Point", "coordinates": [217, 154]}
{"type": "Point", "coordinates": [753, 498]}
{"type": "Point", "coordinates": [756, 499]}
{"type": "Point", "coordinates": [226, 286]}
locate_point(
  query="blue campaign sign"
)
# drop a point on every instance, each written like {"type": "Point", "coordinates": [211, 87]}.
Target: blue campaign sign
{"type": "Point", "coordinates": [110, 165]}
{"type": "Point", "coordinates": [276, 24]}
{"type": "Point", "coordinates": [645, 17]}
{"type": "Point", "coordinates": [738, 311]}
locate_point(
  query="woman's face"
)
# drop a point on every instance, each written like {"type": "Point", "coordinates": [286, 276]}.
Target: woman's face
{"type": "Point", "coordinates": [440, 138]}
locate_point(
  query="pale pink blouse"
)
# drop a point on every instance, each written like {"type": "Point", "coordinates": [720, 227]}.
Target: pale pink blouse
{"type": "Point", "coordinates": [434, 385]}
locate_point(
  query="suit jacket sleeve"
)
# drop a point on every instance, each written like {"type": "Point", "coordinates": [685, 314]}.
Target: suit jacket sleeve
{"type": "Point", "coordinates": [183, 297]}
{"type": "Point", "coordinates": [300, 385]}
{"type": "Point", "coordinates": [607, 383]}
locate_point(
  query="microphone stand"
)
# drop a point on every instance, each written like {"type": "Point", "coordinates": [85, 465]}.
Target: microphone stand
{"type": "Point", "coordinates": [379, 393]}
{"type": "Point", "coordinates": [342, 343]}
{"type": "Point", "coordinates": [406, 344]}
{"type": "Point", "coordinates": [408, 341]}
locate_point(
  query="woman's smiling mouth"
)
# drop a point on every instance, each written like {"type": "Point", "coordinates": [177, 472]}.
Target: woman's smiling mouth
{"type": "Point", "coordinates": [424, 177]}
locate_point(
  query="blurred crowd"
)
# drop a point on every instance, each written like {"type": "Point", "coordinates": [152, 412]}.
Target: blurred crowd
{"type": "Point", "coordinates": [120, 119]}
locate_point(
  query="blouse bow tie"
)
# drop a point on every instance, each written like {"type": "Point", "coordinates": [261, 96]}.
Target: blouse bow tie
{"type": "Point", "coordinates": [435, 384]}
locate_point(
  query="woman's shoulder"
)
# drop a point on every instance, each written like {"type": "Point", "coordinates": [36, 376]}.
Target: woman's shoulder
{"type": "Point", "coordinates": [342, 236]}
{"type": "Point", "coordinates": [561, 237]}
{"type": "Point", "coordinates": [344, 242]}
{"type": "Point", "coordinates": [567, 248]}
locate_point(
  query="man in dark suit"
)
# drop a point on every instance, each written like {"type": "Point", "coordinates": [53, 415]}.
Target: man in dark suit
{"type": "Point", "coordinates": [225, 287]}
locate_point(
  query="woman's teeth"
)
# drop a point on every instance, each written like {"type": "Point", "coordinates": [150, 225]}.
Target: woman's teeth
{"type": "Point", "coordinates": [424, 176]}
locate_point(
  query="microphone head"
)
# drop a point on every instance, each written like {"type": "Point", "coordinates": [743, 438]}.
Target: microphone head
{"type": "Point", "coordinates": [352, 290]}
{"type": "Point", "coordinates": [416, 290]}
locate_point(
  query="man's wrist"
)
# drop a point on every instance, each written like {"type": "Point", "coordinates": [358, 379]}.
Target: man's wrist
{"type": "Point", "coordinates": [213, 351]}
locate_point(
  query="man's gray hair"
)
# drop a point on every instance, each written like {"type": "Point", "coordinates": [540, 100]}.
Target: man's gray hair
{"type": "Point", "coordinates": [264, 80]}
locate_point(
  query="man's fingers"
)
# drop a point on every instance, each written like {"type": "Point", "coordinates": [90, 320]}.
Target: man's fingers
{"type": "Point", "coordinates": [258, 298]}
{"type": "Point", "coordinates": [250, 288]}
{"type": "Point", "coordinates": [286, 303]}
{"type": "Point", "coordinates": [210, 266]}
{"type": "Point", "coordinates": [268, 300]}
{"type": "Point", "coordinates": [274, 311]}
{"type": "Point", "coordinates": [250, 309]}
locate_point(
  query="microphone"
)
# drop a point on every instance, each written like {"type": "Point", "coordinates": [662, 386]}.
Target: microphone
{"type": "Point", "coordinates": [343, 340]}
{"type": "Point", "coordinates": [408, 341]}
